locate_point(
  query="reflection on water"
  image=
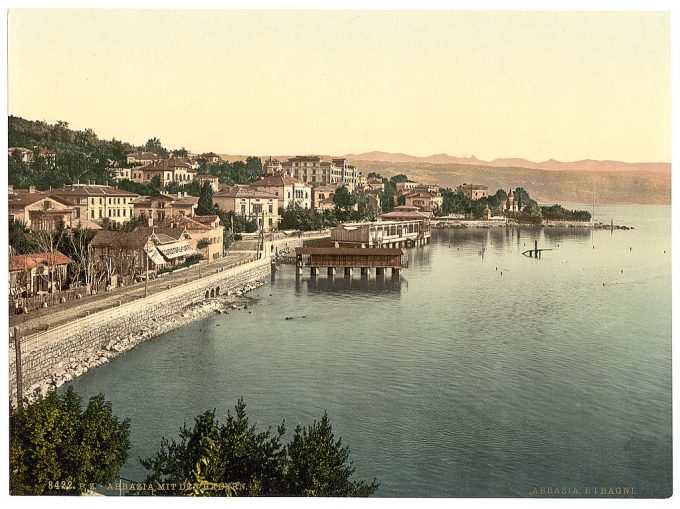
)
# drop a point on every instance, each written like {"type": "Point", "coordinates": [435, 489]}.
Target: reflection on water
{"type": "Point", "coordinates": [501, 238]}
{"type": "Point", "coordinates": [347, 284]}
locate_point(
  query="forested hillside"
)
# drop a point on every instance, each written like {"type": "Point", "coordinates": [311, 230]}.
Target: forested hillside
{"type": "Point", "coordinates": [81, 155]}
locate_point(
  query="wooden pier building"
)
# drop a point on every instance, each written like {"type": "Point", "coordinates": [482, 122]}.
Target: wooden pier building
{"type": "Point", "coordinates": [364, 259]}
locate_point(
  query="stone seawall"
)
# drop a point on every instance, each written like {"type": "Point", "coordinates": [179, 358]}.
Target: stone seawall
{"type": "Point", "coordinates": [83, 343]}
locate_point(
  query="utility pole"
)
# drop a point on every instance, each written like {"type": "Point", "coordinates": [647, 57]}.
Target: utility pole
{"type": "Point", "coordinates": [146, 279]}
{"type": "Point", "coordinates": [20, 387]}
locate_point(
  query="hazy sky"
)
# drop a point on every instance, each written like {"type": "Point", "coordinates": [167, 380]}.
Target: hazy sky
{"type": "Point", "coordinates": [537, 85]}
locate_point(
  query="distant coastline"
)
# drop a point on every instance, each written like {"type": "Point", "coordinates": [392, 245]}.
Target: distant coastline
{"type": "Point", "coordinates": [572, 186]}
{"type": "Point", "coordinates": [608, 182]}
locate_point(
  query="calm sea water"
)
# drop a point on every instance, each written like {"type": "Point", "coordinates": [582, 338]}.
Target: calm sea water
{"type": "Point", "coordinates": [469, 376]}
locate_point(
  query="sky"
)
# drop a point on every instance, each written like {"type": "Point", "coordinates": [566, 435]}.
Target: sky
{"type": "Point", "coordinates": [539, 85]}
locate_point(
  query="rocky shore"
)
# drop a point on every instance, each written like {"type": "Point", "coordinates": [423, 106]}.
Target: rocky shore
{"type": "Point", "coordinates": [232, 301]}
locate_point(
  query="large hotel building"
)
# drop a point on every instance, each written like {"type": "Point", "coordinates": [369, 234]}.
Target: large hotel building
{"type": "Point", "coordinates": [316, 171]}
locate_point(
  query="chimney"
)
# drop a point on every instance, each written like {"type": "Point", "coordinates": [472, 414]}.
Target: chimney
{"type": "Point", "coordinates": [31, 189]}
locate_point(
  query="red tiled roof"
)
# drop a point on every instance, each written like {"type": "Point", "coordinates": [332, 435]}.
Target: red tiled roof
{"type": "Point", "coordinates": [276, 181]}
{"type": "Point", "coordinates": [94, 190]}
{"type": "Point", "coordinates": [304, 158]}
{"type": "Point", "coordinates": [421, 194]}
{"type": "Point", "coordinates": [178, 201]}
{"type": "Point", "coordinates": [87, 224]}
{"type": "Point", "coordinates": [30, 261]}
{"type": "Point", "coordinates": [24, 198]}
{"type": "Point", "coordinates": [377, 251]}
{"type": "Point", "coordinates": [136, 239]}
{"type": "Point", "coordinates": [189, 223]}
{"type": "Point", "coordinates": [163, 234]}
{"type": "Point", "coordinates": [242, 192]}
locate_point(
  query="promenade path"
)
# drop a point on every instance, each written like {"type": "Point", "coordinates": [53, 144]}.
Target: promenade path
{"type": "Point", "coordinates": [42, 319]}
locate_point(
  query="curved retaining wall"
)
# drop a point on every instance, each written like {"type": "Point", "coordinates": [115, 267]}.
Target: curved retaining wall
{"type": "Point", "coordinates": [48, 353]}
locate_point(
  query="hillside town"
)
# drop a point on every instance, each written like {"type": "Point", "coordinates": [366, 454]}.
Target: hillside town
{"type": "Point", "coordinates": [93, 237]}
{"type": "Point", "coordinates": [134, 234]}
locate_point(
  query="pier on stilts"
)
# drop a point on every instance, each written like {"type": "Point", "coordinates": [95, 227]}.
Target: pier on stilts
{"type": "Point", "coordinates": [535, 252]}
{"type": "Point", "coordinates": [348, 259]}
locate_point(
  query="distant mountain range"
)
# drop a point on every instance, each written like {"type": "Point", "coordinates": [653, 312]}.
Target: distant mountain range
{"type": "Point", "coordinates": [606, 182]}
{"type": "Point", "coordinates": [551, 165]}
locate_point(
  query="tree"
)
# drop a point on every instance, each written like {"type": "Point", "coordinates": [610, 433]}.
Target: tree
{"type": "Point", "coordinates": [454, 203]}
{"type": "Point", "coordinates": [319, 465]}
{"type": "Point", "coordinates": [205, 201]}
{"type": "Point", "coordinates": [254, 169]}
{"type": "Point", "coordinates": [234, 224]}
{"type": "Point", "coordinates": [361, 202]}
{"type": "Point", "coordinates": [559, 213]}
{"type": "Point", "coordinates": [20, 241]}
{"type": "Point", "coordinates": [343, 199]}
{"type": "Point", "coordinates": [77, 248]}
{"type": "Point", "coordinates": [398, 178]}
{"type": "Point", "coordinates": [155, 187]}
{"type": "Point", "coordinates": [524, 200]}
{"type": "Point", "coordinates": [231, 453]}
{"type": "Point", "coordinates": [134, 187]}
{"type": "Point", "coordinates": [154, 145]}
{"type": "Point", "coordinates": [56, 440]}
{"type": "Point", "coordinates": [134, 222]}
{"type": "Point", "coordinates": [50, 242]}
{"type": "Point", "coordinates": [387, 198]}
{"type": "Point", "coordinates": [19, 173]}
{"type": "Point", "coordinates": [295, 217]}
{"type": "Point", "coordinates": [240, 460]}
{"type": "Point", "coordinates": [182, 152]}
